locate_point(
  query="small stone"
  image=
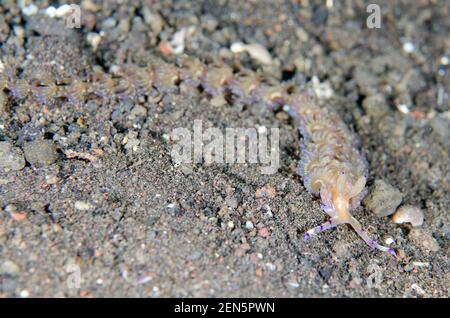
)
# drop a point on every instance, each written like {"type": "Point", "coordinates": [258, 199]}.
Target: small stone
{"type": "Point", "coordinates": [408, 47]}
{"type": "Point", "coordinates": [138, 111]}
{"type": "Point", "coordinates": [29, 10]}
{"type": "Point", "coordinates": [441, 127]}
{"type": "Point", "coordinates": [375, 106]}
{"type": "Point", "coordinates": [230, 224]}
{"type": "Point", "coordinates": [264, 232]}
{"type": "Point", "coordinates": [51, 179]}
{"type": "Point", "coordinates": [292, 285]}
{"type": "Point", "coordinates": [232, 202]}
{"type": "Point", "coordinates": [11, 158]}
{"type": "Point", "coordinates": [174, 209]}
{"type": "Point", "coordinates": [389, 241]}
{"type": "Point", "coordinates": [424, 240]}
{"type": "Point", "coordinates": [24, 294]}
{"type": "Point", "coordinates": [153, 19]}
{"type": "Point", "coordinates": [403, 108]}
{"type": "Point", "coordinates": [195, 255]}
{"type": "Point", "coordinates": [266, 191]}
{"type": "Point", "coordinates": [94, 39]}
{"type": "Point", "coordinates": [270, 267]}
{"type": "Point", "coordinates": [109, 23]}
{"type": "Point", "coordinates": [186, 169]}
{"type": "Point", "coordinates": [9, 284]}
{"type": "Point", "coordinates": [383, 199]}
{"type": "Point", "coordinates": [40, 152]}
{"type": "Point", "coordinates": [259, 272]}
{"type": "Point", "coordinates": [17, 216]}
{"type": "Point", "coordinates": [83, 206]}
{"type": "Point", "coordinates": [255, 50]}
{"type": "Point", "coordinates": [19, 31]}
{"type": "Point", "coordinates": [11, 208]}
{"type": "Point", "coordinates": [408, 214]}
{"type": "Point", "coordinates": [249, 225]}
{"type": "Point", "coordinates": [9, 268]}
{"type": "Point", "coordinates": [217, 101]}
{"type": "Point", "coordinates": [242, 249]}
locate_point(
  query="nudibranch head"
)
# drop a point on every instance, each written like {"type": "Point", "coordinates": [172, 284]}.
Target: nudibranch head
{"type": "Point", "coordinates": [344, 193]}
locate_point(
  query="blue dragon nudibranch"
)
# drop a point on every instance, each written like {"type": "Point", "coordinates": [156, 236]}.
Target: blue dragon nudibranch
{"type": "Point", "coordinates": [331, 165]}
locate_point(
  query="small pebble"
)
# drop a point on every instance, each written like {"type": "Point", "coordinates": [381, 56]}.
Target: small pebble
{"type": "Point", "coordinates": [270, 267]}
{"type": "Point", "coordinates": [444, 60]}
{"type": "Point", "coordinates": [9, 268]}
{"type": "Point", "coordinates": [11, 208]}
{"type": "Point", "coordinates": [264, 232]}
{"type": "Point", "coordinates": [256, 51]}
{"type": "Point", "coordinates": [259, 272]}
{"type": "Point", "coordinates": [24, 294]}
{"type": "Point", "coordinates": [153, 19]}
{"type": "Point", "coordinates": [417, 289]}
{"type": "Point", "coordinates": [232, 202]}
{"type": "Point", "coordinates": [94, 39]}
{"type": "Point", "coordinates": [424, 240]}
{"type": "Point", "coordinates": [266, 191]}
{"type": "Point", "coordinates": [408, 47]}
{"type": "Point", "coordinates": [375, 105]}
{"type": "Point", "coordinates": [29, 10]}
{"type": "Point", "coordinates": [138, 111]}
{"type": "Point", "coordinates": [83, 206]}
{"type": "Point", "coordinates": [414, 265]}
{"type": "Point", "coordinates": [51, 179]}
{"type": "Point", "coordinates": [389, 241]}
{"type": "Point", "coordinates": [11, 158]}
{"type": "Point", "coordinates": [408, 214]}
{"type": "Point", "coordinates": [292, 285]}
{"type": "Point", "coordinates": [383, 199]}
{"type": "Point", "coordinates": [58, 12]}
{"type": "Point", "coordinates": [195, 255]}
{"type": "Point", "coordinates": [109, 23]}
{"type": "Point", "coordinates": [40, 152]}
{"type": "Point", "coordinates": [403, 108]}
{"type": "Point", "coordinates": [249, 225]}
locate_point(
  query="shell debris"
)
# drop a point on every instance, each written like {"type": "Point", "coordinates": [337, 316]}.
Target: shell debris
{"type": "Point", "coordinates": [256, 51]}
{"type": "Point", "coordinates": [177, 44]}
{"type": "Point", "coordinates": [408, 214]}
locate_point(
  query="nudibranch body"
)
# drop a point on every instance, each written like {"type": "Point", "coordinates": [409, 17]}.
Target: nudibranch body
{"type": "Point", "coordinates": [331, 166]}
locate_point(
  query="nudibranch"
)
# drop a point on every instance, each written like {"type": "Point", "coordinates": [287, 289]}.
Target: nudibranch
{"type": "Point", "coordinates": [331, 165]}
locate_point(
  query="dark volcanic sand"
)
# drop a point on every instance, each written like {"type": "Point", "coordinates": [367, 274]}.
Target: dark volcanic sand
{"type": "Point", "coordinates": [138, 225]}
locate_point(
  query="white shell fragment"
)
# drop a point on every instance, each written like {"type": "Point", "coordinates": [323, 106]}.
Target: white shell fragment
{"type": "Point", "coordinates": [408, 47]}
{"type": "Point", "coordinates": [30, 10]}
{"type": "Point", "coordinates": [177, 43]}
{"type": "Point", "coordinates": [256, 51]}
{"type": "Point", "coordinates": [59, 12]}
{"type": "Point", "coordinates": [94, 39]}
{"type": "Point", "coordinates": [408, 214]}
